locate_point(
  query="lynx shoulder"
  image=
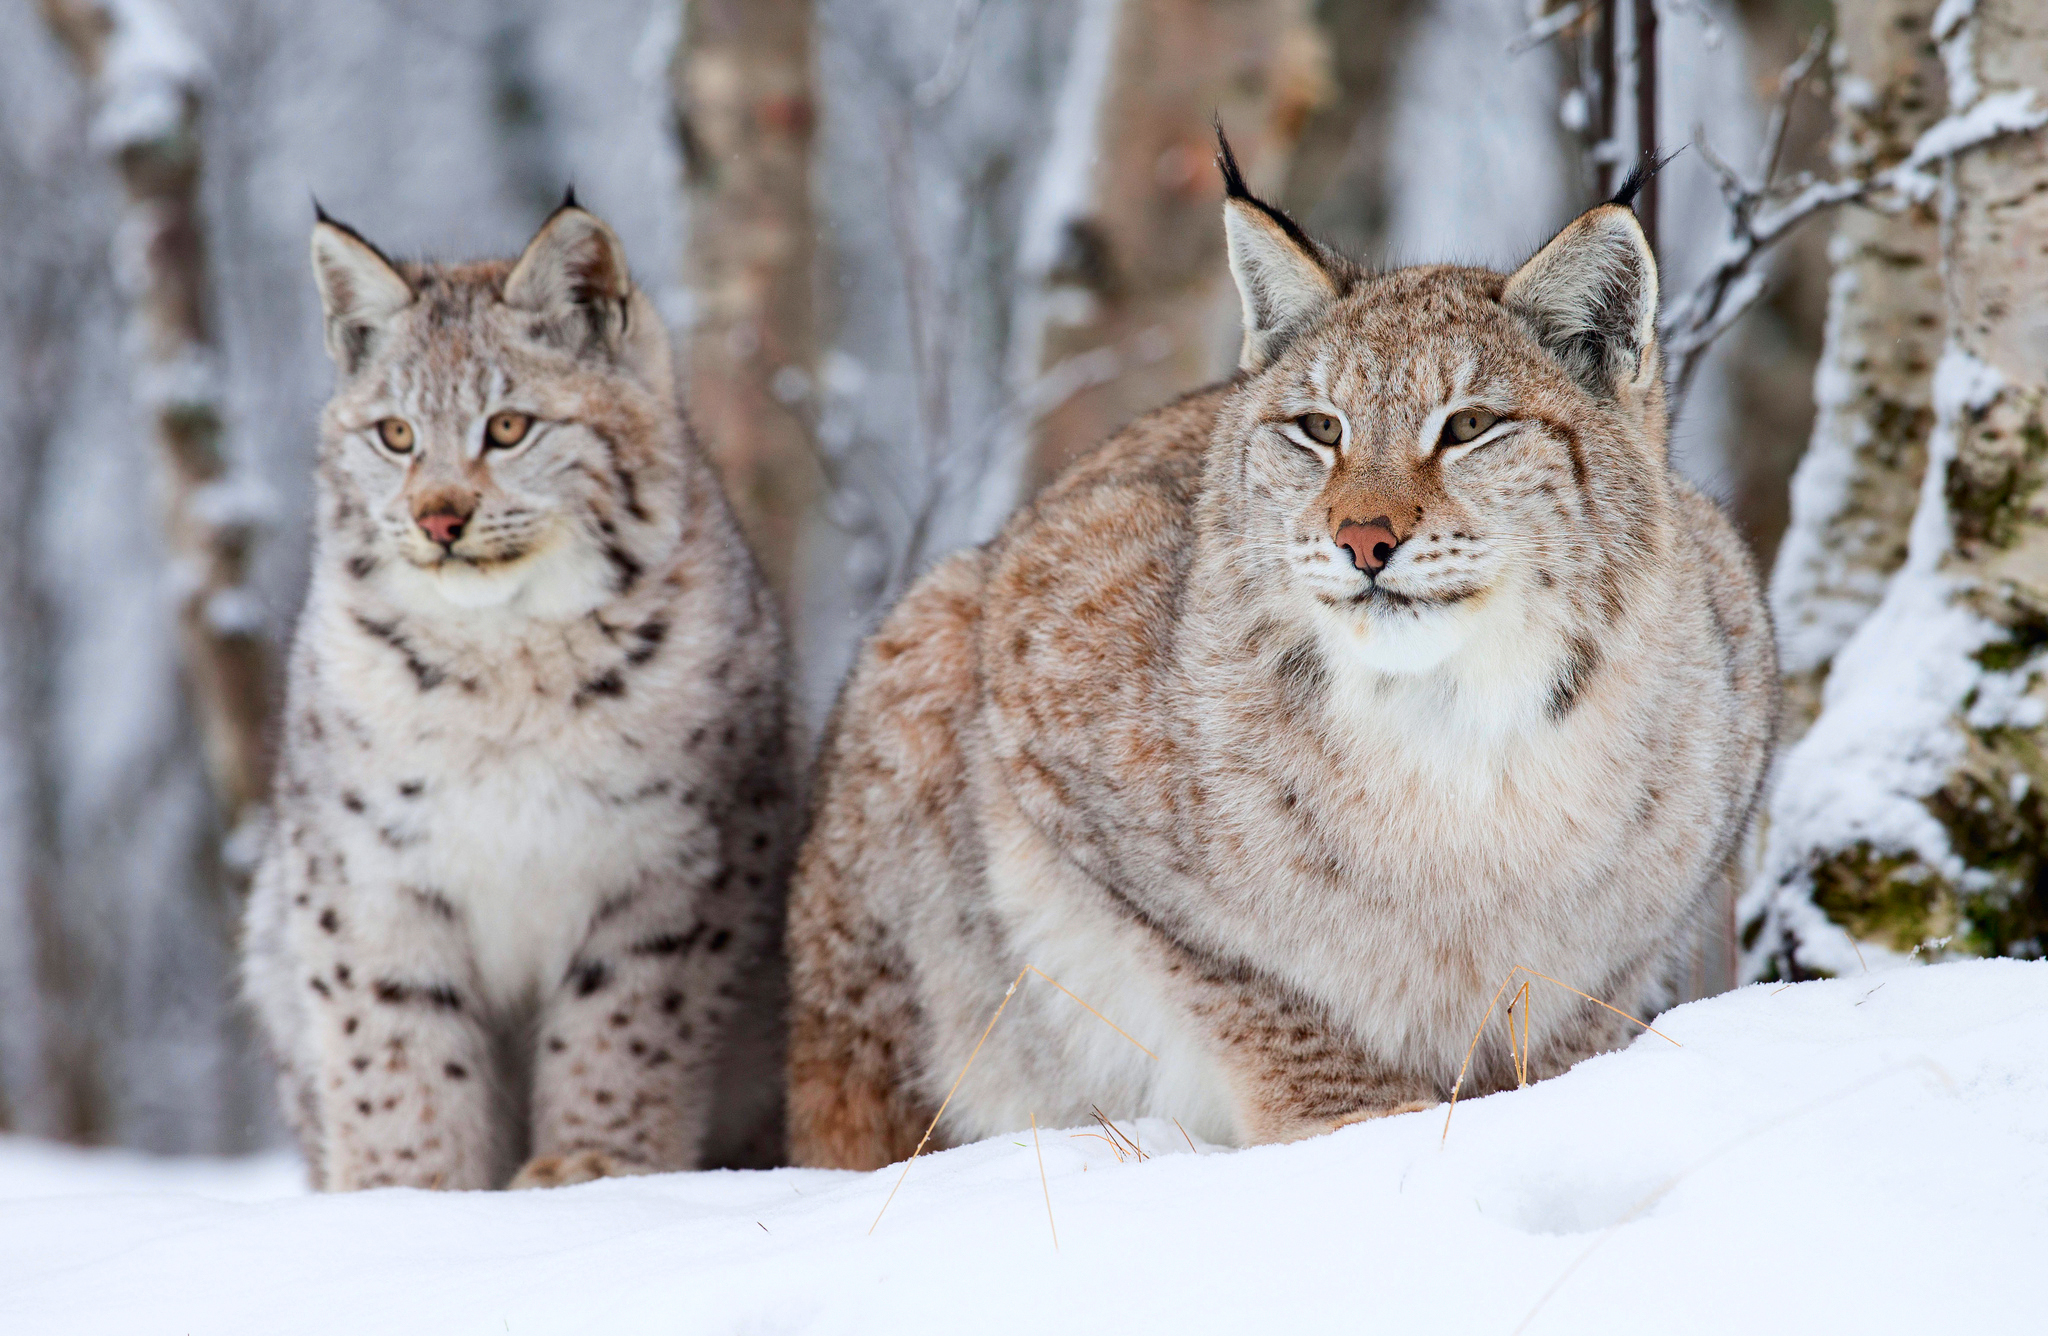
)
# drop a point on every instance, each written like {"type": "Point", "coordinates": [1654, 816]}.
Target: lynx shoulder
{"type": "Point", "coordinates": [1284, 726]}
{"type": "Point", "coordinates": [521, 901]}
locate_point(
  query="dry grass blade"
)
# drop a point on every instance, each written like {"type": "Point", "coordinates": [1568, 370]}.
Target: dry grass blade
{"type": "Point", "coordinates": [933, 1125]}
{"type": "Point", "coordinates": [1033, 969]}
{"type": "Point", "coordinates": [968, 1066]}
{"type": "Point", "coordinates": [1465, 1067]}
{"type": "Point", "coordinates": [1185, 1137]}
{"type": "Point", "coordinates": [1043, 1184]}
{"type": "Point", "coordinates": [1114, 1148]}
{"type": "Point", "coordinates": [1118, 1134]}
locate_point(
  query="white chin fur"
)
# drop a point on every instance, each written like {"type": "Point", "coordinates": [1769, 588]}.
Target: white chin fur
{"type": "Point", "coordinates": [557, 582]}
{"type": "Point", "coordinates": [1407, 642]}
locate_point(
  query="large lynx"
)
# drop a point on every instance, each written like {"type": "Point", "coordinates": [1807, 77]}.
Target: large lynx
{"type": "Point", "coordinates": [1287, 723]}
{"type": "Point", "coordinates": [523, 888]}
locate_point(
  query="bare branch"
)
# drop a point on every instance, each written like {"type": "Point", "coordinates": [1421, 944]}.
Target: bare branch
{"type": "Point", "coordinates": [1762, 212]}
{"type": "Point", "coordinates": [1549, 26]}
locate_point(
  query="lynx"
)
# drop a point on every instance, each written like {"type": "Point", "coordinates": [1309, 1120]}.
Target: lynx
{"type": "Point", "coordinates": [1285, 725]}
{"type": "Point", "coordinates": [521, 899]}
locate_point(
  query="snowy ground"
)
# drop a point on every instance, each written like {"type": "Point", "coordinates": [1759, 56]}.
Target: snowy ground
{"type": "Point", "coordinates": [1864, 1155]}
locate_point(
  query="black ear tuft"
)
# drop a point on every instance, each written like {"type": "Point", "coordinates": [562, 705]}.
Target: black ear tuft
{"type": "Point", "coordinates": [568, 199]}
{"type": "Point", "coordinates": [1235, 188]}
{"type": "Point", "coordinates": [320, 215]}
{"type": "Point", "coordinates": [1639, 176]}
{"type": "Point", "coordinates": [1226, 162]}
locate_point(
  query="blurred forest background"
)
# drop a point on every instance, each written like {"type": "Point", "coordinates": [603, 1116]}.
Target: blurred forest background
{"type": "Point", "coordinates": [916, 254]}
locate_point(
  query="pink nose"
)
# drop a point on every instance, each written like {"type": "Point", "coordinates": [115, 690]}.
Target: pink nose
{"type": "Point", "coordinates": [443, 527]}
{"type": "Point", "coordinates": [1371, 545]}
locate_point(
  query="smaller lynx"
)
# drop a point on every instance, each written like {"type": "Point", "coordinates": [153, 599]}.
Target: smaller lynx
{"type": "Point", "coordinates": [523, 886]}
{"type": "Point", "coordinates": [1287, 723]}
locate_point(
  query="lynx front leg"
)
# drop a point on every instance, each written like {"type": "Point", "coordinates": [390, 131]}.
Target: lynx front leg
{"type": "Point", "coordinates": [403, 1080]}
{"type": "Point", "coordinates": [1296, 1075]}
{"type": "Point", "coordinates": [628, 1041]}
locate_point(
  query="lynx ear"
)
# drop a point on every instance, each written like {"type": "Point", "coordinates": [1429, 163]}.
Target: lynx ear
{"type": "Point", "coordinates": [573, 275]}
{"type": "Point", "coordinates": [360, 290]}
{"type": "Point", "coordinates": [1284, 279]}
{"type": "Point", "coordinates": [1591, 298]}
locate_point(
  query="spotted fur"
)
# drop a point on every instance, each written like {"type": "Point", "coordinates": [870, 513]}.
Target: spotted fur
{"type": "Point", "coordinates": [1287, 820]}
{"type": "Point", "coordinates": [521, 900]}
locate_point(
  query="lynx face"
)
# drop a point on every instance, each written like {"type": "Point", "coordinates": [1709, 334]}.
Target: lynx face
{"type": "Point", "coordinates": [476, 452]}
{"type": "Point", "coordinates": [1442, 464]}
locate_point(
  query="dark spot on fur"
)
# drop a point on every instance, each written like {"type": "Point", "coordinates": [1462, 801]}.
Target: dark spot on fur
{"type": "Point", "coordinates": [352, 800]}
{"type": "Point", "coordinates": [412, 788]}
{"type": "Point", "coordinates": [719, 940]}
{"type": "Point", "coordinates": [344, 976]}
{"type": "Point", "coordinates": [668, 943]}
{"type": "Point", "coordinates": [623, 566]}
{"type": "Point", "coordinates": [432, 901]}
{"type": "Point", "coordinates": [1581, 658]}
{"type": "Point", "coordinates": [349, 1026]}
{"type": "Point", "coordinates": [555, 1045]}
{"type": "Point", "coordinates": [671, 1002]}
{"type": "Point", "coordinates": [650, 634]}
{"type": "Point", "coordinates": [329, 920]}
{"type": "Point", "coordinates": [361, 565]}
{"type": "Point", "coordinates": [426, 674]}
{"type": "Point", "coordinates": [608, 683]}
{"type": "Point", "coordinates": [456, 1071]}
{"type": "Point", "coordinates": [588, 976]}
{"type": "Point", "coordinates": [319, 985]}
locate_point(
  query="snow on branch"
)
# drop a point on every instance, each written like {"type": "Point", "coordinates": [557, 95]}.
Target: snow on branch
{"type": "Point", "coordinates": [1763, 210]}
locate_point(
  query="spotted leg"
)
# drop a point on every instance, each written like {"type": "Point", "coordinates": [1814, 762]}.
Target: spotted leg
{"type": "Point", "coordinates": [403, 1084]}
{"type": "Point", "coordinates": [628, 1040]}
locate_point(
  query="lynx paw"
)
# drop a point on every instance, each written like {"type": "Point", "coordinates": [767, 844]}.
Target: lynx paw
{"type": "Point", "coordinates": [581, 1166]}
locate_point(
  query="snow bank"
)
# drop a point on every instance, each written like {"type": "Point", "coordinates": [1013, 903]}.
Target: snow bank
{"type": "Point", "coordinates": [1866, 1155]}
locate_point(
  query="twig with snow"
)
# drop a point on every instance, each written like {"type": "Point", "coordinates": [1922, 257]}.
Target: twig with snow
{"type": "Point", "coordinates": [1763, 210]}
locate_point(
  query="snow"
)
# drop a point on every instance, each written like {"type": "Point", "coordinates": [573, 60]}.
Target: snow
{"type": "Point", "coordinates": [149, 69]}
{"type": "Point", "coordinates": [1989, 117]}
{"type": "Point", "coordinates": [1830, 1156]}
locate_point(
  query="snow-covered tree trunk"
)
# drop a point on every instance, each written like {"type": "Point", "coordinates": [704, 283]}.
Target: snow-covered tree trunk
{"type": "Point", "coordinates": [146, 76]}
{"type": "Point", "coordinates": [1913, 817]}
{"type": "Point", "coordinates": [1854, 492]}
{"type": "Point", "coordinates": [744, 113]}
{"type": "Point", "coordinates": [1123, 256]}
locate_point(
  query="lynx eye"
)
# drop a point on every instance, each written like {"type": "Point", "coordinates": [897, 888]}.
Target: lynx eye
{"type": "Point", "coordinates": [1321, 428]}
{"type": "Point", "coordinates": [1468, 424]}
{"type": "Point", "coordinates": [505, 430]}
{"type": "Point", "coordinates": [396, 433]}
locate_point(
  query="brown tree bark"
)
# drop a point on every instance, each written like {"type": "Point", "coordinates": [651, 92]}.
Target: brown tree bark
{"type": "Point", "coordinates": [1139, 268]}
{"type": "Point", "coordinates": [743, 88]}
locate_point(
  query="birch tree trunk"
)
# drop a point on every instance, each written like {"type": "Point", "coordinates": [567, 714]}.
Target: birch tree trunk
{"type": "Point", "coordinates": [149, 1004]}
{"type": "Point", "coordinates": [146, 78]}
{"type": "Point", "coordinates": [1130, 261]}
{"type": "Point", "coordinates": [745, 107]}
{"type": "Point", "coordinates": [1854, 492]}
{"type": "Point", "coordinates": [1912, 819]}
